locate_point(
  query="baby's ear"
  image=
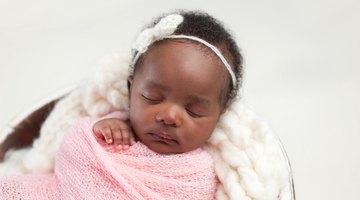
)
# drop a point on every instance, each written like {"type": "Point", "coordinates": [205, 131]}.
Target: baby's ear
{"type": "Point", "coordinates": [129, 83]}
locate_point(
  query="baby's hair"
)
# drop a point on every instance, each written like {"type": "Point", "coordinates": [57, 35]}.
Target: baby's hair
{"type": "Point", "coordinates": [206, 27]}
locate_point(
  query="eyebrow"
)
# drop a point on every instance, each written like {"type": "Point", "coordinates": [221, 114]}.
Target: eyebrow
{"type": "Point", "coordinates": [153, 84]}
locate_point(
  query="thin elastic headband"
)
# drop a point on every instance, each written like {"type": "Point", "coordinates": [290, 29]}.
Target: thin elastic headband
{"type": "Point", "coordinates": [164, 30]}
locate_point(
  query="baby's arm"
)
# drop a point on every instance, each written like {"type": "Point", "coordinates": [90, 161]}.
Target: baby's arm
{"type": "Point", "coordinates": [115, 131]}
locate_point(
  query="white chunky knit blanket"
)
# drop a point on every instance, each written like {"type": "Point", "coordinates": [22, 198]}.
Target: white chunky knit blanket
{"type": "Point", "coordinates": [249, 159]}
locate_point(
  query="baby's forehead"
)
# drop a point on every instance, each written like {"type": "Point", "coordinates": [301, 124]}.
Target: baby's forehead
{"type": "Point", "coordinates": [163, 45]}
{"type": "Point", "coordinates": [183, 61]}
{"type": "Point", "coordinates": [176, 54]}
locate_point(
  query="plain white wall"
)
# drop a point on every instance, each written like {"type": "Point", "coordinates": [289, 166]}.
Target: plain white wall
{"type": "Point", "coordinates": [302, 68]}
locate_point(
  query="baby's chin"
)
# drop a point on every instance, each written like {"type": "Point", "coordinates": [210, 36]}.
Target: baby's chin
{"type": "Point", "coordinates": [162, 148]}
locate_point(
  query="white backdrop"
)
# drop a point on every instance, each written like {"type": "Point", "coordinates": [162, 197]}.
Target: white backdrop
{"type": "Point", "coordinates": [302, 68]}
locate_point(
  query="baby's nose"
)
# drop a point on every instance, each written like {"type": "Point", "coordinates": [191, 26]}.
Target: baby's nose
{"type": "Point", "coordinates": [170, 116]}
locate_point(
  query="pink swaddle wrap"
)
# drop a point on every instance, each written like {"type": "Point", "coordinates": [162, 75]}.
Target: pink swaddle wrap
{"type": "Point", "coordinates": [87, 168]}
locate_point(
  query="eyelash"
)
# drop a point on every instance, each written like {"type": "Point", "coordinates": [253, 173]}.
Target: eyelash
{"type": "Point", "coordinates": [152, 101]}
{"type": "Point", "coordinates": [192, 114]}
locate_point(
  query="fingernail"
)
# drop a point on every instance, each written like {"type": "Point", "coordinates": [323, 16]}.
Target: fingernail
{"type": "Point", "coordinates": [109, 141]}
{"type": "Point", "coordinates": [125, 147]}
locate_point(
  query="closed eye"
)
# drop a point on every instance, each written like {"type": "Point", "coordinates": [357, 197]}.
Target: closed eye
{"type": "Point", "coordinates": [151, 100]}
{"type": "Point", "coordinates": [194, 114]}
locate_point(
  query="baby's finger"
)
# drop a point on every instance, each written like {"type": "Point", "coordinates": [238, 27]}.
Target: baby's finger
{"type": "Point", "coordinates": [132, 140]}
{"type": "Point", "coordinates": [126, 138]}
{"type": "Point", "coordinates": [106, 131]}
{"type": "Point", "coordinates": [116, 134]}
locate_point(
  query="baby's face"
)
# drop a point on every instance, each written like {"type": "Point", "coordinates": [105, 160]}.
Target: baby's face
{"type": "Point", "coordinates": [175, 96]}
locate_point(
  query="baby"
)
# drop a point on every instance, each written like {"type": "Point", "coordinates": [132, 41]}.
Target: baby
{"type": "Point", "coordinates": [185, 71]}
{"type": "Point", "coordinates": [181, 82]}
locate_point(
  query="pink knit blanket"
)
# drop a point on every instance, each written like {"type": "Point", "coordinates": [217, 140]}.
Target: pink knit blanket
{"type": "Point", "coordinates": [87, 168]}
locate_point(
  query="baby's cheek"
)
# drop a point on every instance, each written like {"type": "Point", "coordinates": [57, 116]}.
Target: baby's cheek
{"type": "Point", "coordinates": [207, 130]}
{"type": "Point", "coordinates": [137, 124]}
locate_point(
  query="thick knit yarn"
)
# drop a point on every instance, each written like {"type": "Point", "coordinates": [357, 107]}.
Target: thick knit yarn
{"type": "Point", "coordinates": [250, 162]}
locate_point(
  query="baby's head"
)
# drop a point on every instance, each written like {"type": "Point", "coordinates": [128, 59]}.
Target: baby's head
{"type": "Point", "coordinates": [186, 70]}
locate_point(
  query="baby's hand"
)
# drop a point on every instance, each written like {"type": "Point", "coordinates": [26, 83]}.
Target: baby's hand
{"type": "Point", "coordinates": [115, 131]}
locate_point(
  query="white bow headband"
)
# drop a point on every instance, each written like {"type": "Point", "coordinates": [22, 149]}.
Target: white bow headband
{"type": "Point", "coordinates": [164, 30]}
